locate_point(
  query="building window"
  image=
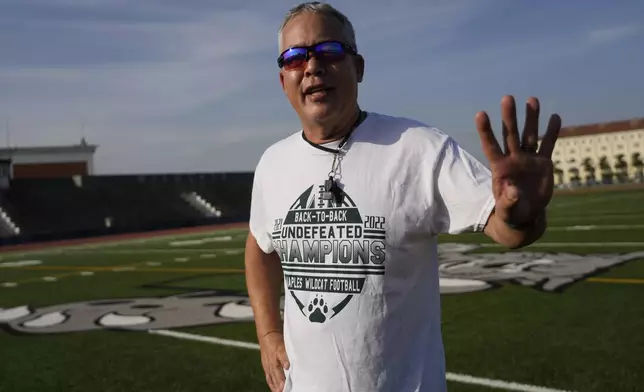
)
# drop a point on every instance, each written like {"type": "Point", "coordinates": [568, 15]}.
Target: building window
{"type": "Point", "coordinates": [588, 149]}
{"type": "Point", "coordinates": [572, 151]}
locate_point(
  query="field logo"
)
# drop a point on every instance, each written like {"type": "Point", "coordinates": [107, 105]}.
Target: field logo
{"type": "Point", "coordinates": [328, 250]}
{"type": "Point", "coordinates": [132, 314]}
{"type": "Point", "coordinates": [461, 271]}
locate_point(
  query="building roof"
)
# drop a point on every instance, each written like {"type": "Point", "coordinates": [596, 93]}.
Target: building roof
{"type": "Point", "coordinates": [599, 128]}
{"type": "Point", "coordinates": [83, 147]}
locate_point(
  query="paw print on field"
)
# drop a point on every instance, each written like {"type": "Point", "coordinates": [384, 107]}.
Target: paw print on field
{"type": "Point", "coordinates": [318, 310]}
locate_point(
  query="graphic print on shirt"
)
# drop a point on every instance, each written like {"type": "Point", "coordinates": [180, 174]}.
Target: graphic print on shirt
{"type": "Point", "coordinates": [328, 250]}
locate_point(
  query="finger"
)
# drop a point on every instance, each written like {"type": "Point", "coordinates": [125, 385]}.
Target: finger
{"type": "Point", "coordinates": [279, 379]}
{"type": "Point", "coordinates": [550, 138]}
{"type": "Point", "coordinates": [489, 144]}
{"type": "Point", "coordinates": [278, 373]}
{"type": "Point", "coordinates": [509, 121]}
{"type": "Point", "coordinates": [268, 373]}
{"type": "Point", "coordinates": [269, 381]}
{"type": "Point", "coordinates": [531, 127]}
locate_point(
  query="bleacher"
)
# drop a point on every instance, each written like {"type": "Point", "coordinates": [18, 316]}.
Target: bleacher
{"type": "Point", "coordinates": [50, 205]}
{"type": "Point", "coordinates": [71, 207]}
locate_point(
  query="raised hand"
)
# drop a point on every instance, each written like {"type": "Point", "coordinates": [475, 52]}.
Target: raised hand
{"type": "Point", "coordinates": [522, 176]}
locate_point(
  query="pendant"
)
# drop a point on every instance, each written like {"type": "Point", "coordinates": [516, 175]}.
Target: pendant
{"type": "Point", "coordinates": [332, 191]}
{"type": "Point", "coordinates": [328, 186]}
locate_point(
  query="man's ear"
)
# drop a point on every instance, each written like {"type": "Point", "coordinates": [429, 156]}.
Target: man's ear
{"type": "Point", "coordinates": [359, 62]}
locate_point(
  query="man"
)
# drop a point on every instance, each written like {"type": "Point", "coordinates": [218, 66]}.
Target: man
{"type": "Point", "coordinates": [345, 215]}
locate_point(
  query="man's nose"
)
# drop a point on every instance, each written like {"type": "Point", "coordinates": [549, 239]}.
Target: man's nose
{"type": "Point", "coordinates": [314, 67]}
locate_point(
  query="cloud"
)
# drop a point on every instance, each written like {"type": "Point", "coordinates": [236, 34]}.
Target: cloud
{"type": "Point", "coordinates": [193, 85]}
{"type": "Point", "coordinates": [173, 149]}
{"type": "Point", "coordinates": [203, 62]}
{"type": "Point", "coordinates": [163, 77]}
{"type": "Point", "coordinates": [613, 34]}
{"type": "Point", "coordinates": [402, 19]}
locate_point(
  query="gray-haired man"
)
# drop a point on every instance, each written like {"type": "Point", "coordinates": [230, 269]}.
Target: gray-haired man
{"type": "Point", "coordinates": [345, 214]}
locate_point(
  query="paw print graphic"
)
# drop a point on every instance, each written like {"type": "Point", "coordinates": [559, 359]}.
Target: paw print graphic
{"type": "Point", "coordinates": [318, 310]}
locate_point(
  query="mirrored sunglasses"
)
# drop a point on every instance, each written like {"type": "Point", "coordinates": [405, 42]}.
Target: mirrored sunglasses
{"type": "Point", "coordinates": [329, 51]}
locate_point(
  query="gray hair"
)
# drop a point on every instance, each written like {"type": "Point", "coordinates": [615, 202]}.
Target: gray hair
{"type": "Point", "coordinates": [326, 10]}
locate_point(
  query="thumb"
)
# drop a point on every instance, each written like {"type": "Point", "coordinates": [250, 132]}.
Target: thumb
{"type": "Point", "coordinates": [508, 199]}
{"type": "Point", "coordinates": [283, 358]}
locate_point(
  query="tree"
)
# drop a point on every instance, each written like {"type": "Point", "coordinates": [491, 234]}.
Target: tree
{"type": "Point", "coordinates": [621, 167]}
{"type": "Point", "coordinates": [638, 164]}
{"type": "Point", "coordinates": [589, 168]}
{"type": "Point", "coordinates": [559, 173]}
{"type": "Point", "coordinates": [607, 171]}
{"type": "Point", "coordinates": [574, 173]}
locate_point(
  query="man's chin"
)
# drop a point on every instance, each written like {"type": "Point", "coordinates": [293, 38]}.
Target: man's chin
{"type": "Point", "coordinates": [322, 112]}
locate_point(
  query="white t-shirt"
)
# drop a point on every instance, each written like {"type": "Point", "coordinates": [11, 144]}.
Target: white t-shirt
{"type": "Point", "coordinates": [362, 300]}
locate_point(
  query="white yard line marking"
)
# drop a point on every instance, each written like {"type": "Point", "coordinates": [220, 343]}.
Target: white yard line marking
{"type": "Point", "coordinates": [599, 199]}
{"type": "Point", "coordinates": [120, 242]}
{"type": "Point", "coordinates": [594, 227]}
{"type": "Point", "coordinates": [201, 241]}
{"type": "Point", "coordinates": [598, 216]}
{"type": "Point", "coordinates": [120, 269]}
{"type": "Point", "coordinates": [22, 263]}
{"type": "Point", "coordinates": [146, 250]}
{"type": "Point", "coordinates": [573, 244]}
{"type": "Point", "coordinates": [204, 339]}
{"type": "Point", "coordinates": [9, 284]}
{"type": "Point", "coordinates": [499, 384]}
{"type": "Point", "coordinates": [455, 377]}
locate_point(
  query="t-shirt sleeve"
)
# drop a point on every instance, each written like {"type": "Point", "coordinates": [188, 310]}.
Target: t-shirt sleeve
{"type": "Point", "coordinates": [258, 224]}
{"type": "Point", "coordinates": [462, 198]}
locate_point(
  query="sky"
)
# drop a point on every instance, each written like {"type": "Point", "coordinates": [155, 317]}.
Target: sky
{"type": "Point", "coordinates": [192, 85]}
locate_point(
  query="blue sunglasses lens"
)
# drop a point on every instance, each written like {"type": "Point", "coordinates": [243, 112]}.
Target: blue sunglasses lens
{"type": "Point", "coordinates": [294, 54]}
{"type": "Point", "coordinates": [330, 48]}
{"type": "Point", "coordinates": [296, 57]}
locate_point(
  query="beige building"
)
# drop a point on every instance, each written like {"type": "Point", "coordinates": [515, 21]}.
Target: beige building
{"type": "Point", "coordinates": [610, 152]}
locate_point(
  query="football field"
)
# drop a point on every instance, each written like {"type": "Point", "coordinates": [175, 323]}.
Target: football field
{"type": "Point", "coordinates": [170, 313]}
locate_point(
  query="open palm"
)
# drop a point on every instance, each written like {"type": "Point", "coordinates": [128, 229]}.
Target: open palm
{"type": "Point", "coordinates": [522, 176]}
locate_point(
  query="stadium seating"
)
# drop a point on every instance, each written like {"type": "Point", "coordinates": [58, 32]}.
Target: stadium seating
{"type": "Point", "coordinates": [105, 204]}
